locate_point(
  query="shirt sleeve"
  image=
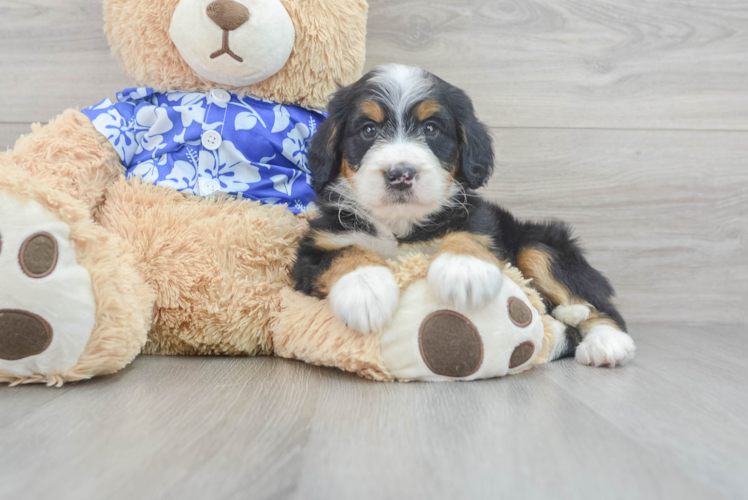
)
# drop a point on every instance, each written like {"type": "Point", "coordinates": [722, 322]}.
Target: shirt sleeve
{"type": "Point", "coordinates": [117, 123]}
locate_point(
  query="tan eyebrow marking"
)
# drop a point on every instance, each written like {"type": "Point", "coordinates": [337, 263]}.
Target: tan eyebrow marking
{"type": "Point", "coordinates": [427, 109]}
{"type": "Point", "coordinates": [373, 111]}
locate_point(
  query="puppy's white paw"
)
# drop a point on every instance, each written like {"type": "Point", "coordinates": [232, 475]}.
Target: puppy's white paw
{"type": "Point", "coordinates": [366, 298]}
{"type": "Point", "coordinates": [463, 281]}
{"type": "Point", "coordinates": [572, 315]}
{"type": "Point", "coordinates": [605, 346]}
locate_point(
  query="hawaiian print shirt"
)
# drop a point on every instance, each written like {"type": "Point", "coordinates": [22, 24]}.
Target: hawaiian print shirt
{"type": "Point", "coordinates": [207, 142]}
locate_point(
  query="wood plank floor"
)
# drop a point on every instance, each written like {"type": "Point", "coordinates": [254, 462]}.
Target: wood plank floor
{"type": "Point", "coordinates": [672, 424]}
{"type": "Point", "coordinates": [627, 119]}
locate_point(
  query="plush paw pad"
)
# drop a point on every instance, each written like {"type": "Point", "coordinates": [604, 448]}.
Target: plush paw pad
{"type": "Point", "coordinates": [47, 307]}
{"type": "Point", "coordinates": [450, 344]}
{"type": "Point", "coordinates": [604, 345]}
{"type": "Point", "coordinates": [366, 298]}
{"type": "Point", "coordinates": [464, 282]}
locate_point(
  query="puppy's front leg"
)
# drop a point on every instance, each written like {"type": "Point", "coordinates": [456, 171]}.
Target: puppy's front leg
{"type": "Point", "coordinates": [361, 288]}
{"type": "Point", "coordinates": [464, 272]}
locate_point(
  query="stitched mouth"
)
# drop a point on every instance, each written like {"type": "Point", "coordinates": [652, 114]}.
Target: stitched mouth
{"type": "Point", "coordinates": [226, 49]}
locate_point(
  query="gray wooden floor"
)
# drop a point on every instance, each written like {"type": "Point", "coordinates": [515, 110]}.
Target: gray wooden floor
{"type": "Point", "coordinates": [628, 119]}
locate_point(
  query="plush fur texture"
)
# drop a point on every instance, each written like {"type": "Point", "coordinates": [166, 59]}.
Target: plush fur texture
{"type": "Point", "coordinates": [217, 265]}
{"type": "Point", "coordinates": [329, 50]}
{"type": "Point", "coordinates": [306, 328]}
{"type": "Point", "coordinates": [124, 302]}
{"type": "Point", "coordinates": [188, 275]}
{"type": "Point", "coordinates": [68, 155]}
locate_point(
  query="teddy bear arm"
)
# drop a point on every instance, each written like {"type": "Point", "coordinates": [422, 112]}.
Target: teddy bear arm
{"type": "Point", "coordinates": [69, 155]}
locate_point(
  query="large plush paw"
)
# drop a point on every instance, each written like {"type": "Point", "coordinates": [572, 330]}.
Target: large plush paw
{"type": "Point", "coordinates": [605, 345]}
{"type": "Point", "coordinates": [366, 298]}
{"type": "Point", "coordinates": [47, 307]}
{"type": "Point", "coordinates": [464, 282]}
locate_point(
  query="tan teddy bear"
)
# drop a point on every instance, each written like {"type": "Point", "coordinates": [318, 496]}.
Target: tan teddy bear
{"type": "Point", "coordinates": [167, 222]}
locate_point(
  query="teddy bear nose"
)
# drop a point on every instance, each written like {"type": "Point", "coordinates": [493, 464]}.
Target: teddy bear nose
{"type": "Point", "coordinates": [227, 14]}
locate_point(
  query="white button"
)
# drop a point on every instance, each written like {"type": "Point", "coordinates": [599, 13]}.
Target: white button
{"type": "Point", "coordinates": [208, 186]}
{"type": "Point", "coordinates": [212, 140]}
{"type": "Point", "coordinates": [220, 95]}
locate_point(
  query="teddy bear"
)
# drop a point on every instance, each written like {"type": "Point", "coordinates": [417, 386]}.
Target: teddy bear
{"type": "Point", "coordinates": [167, 222]}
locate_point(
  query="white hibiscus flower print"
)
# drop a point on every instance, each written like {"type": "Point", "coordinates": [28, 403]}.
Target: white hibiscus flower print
{"type": "Point", "coordinates": [230, 167]}
{"type": "Point", "coordinates": [283, 184]}
{"type": "Point", "coordinates": [282, 118]}
{"type": "Point", "coordinates": [147, 170]}
{"type": "Point", "coordinates": [248, 119]}
{"type": "Point", "coordinates": [182, 177]}
{"type": "Point", "coordinates": [134, 94]}
{"type": "Point", "coordinates": [151, 124]}
{"type": "Point", "coordinates": [191, 108]}
{"type": "Point", "coordinates": [295, 146]}
{"type": "Point", "coordinates": [117, 130]}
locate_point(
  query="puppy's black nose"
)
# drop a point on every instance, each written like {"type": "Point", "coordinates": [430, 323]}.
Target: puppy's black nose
{"type": "Point", "coordinates": [400, 177]}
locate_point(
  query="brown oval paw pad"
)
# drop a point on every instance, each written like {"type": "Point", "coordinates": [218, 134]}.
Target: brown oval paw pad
{"type": "Point", "coordinates": [521, 354]}
{"type": "Point", "coordinates": [450, 344]}
{"type": "Point", "coordinates": [38, 255]}
{"type": "Point", "coordinates": [22, 334]}
{"type": "Point", "coordinates": [519, 313]}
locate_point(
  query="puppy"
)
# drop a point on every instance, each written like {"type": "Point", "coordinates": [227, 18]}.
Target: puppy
{"type": "Point", "coordinates": [395, 166]}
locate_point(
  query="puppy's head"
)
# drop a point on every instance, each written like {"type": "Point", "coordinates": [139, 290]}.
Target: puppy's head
{"type": "Point", "coordinates": [402, 142]}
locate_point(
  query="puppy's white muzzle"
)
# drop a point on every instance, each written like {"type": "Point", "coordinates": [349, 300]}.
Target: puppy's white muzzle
{"type": "Point", "coordinates": [231, 51]}
{"type": "Point", "coordinates": [427, 181]}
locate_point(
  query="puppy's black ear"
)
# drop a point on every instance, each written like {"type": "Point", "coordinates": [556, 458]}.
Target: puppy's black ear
{"type": "Point", "coordinates": [476, 145]}
{"type": "Point", "coordinates": [325, 154]}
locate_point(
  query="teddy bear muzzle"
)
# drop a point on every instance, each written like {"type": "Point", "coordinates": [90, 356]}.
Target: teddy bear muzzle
{"type": "Point", "coordinates": [233, 42]}
{"type": "Point", "coordinates": [229, 16]}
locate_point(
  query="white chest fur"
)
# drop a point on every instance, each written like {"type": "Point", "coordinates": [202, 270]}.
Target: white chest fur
{"type": "Point", "coordinates": [385, 244]}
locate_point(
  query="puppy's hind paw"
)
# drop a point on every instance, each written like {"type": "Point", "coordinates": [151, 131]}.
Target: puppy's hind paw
{"type": "Point", "coordinates": [604, 345]}
{"type": "Point", "coordinates": [365, 299]}
{"type": "Point", "coordinates": [572, 315]}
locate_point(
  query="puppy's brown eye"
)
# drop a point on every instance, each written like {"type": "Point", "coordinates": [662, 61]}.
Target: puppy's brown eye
{"type": "Point", "coordinates": [369, 132]}
{"type": "Point", "coordinates": [430, 130]}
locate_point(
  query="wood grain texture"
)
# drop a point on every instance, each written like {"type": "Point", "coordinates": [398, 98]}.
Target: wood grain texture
{"type": "Point", "coordinates": [663, 214]}
{"type": "Point", "coordinates": [672, 424]}
{"type": "Point", "coordinates": [670, 64]}
{"type": "Point", "coordinates": [54, 55]}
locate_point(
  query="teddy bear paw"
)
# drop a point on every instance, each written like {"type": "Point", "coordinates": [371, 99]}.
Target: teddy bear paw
{"type": "Point", "coordinates": [604, 345]}
{"type": "Point", "coordinates": [47, 307]}
{"type": "Point", "coordinates": [366, 298]}
{"type": "Point", "coordinates": [464, 282]}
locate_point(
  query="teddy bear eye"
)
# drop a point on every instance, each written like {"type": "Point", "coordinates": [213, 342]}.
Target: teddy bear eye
{"type": "Point", "coordinates": [38, 255]}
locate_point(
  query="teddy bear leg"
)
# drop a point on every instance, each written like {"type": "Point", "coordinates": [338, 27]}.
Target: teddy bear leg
{"type": "Point", "coordinates": [70, 156]}
{"type": "Point", "coordinates": [305, 328]}
{"type": "Point", "coordinates": [72, 304]}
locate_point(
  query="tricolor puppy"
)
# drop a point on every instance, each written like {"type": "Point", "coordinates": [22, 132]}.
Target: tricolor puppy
{"type": "Point", "coordinates": [395, 167]}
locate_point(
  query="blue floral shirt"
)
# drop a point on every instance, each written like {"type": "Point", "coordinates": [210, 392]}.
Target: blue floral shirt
{"type": "Point", "coordinates": [208, 142]}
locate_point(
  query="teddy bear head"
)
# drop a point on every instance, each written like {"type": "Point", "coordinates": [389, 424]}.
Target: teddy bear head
{"type": "Point", "coordinates": [287, 51]}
